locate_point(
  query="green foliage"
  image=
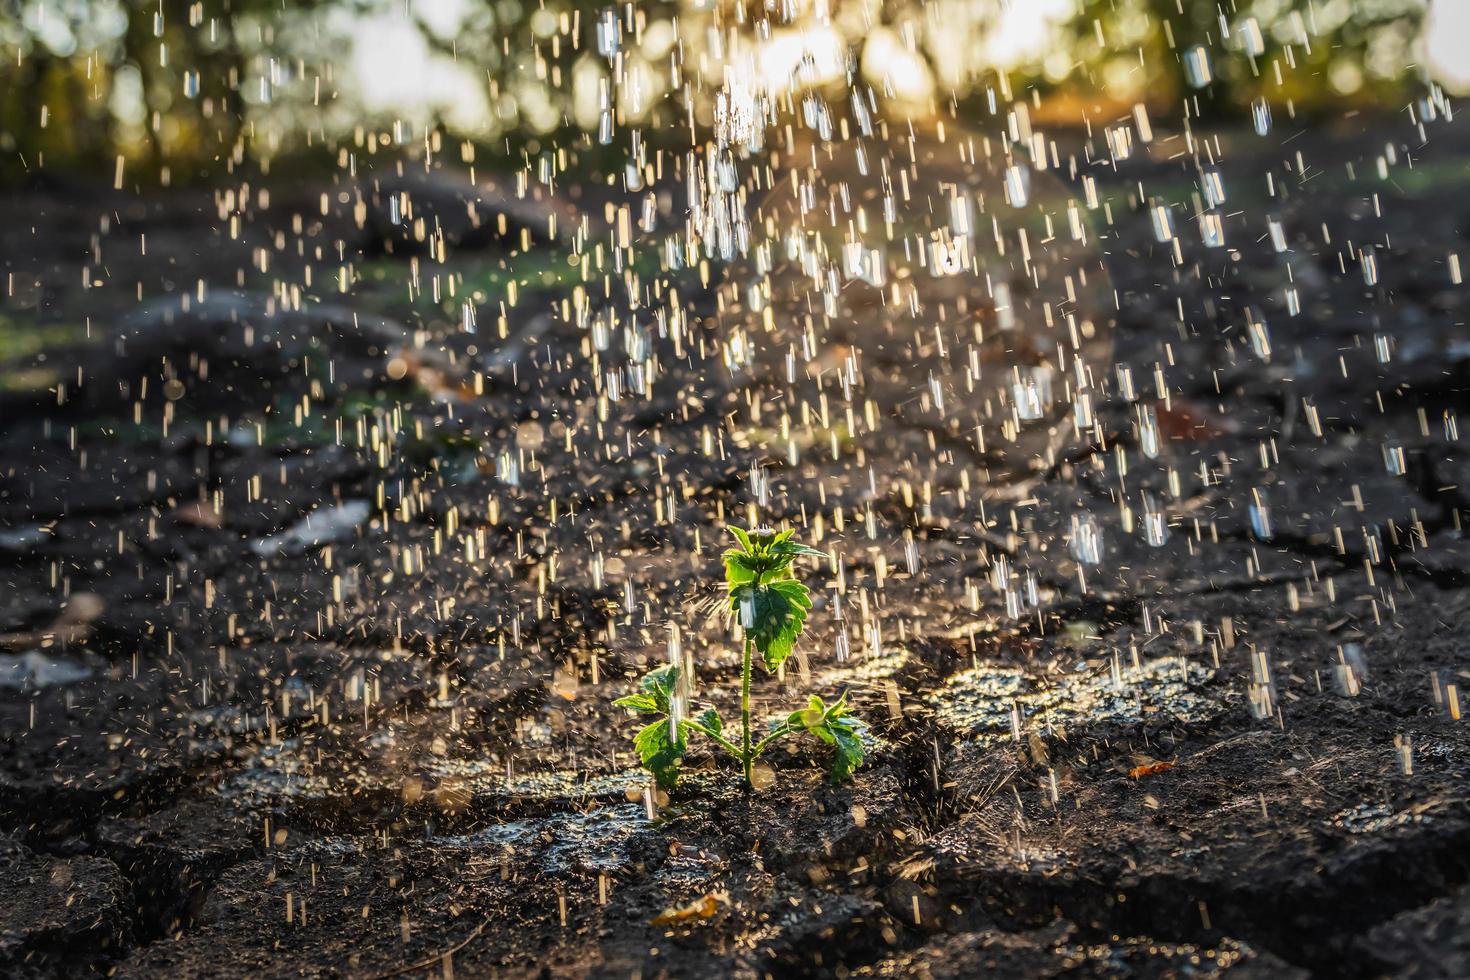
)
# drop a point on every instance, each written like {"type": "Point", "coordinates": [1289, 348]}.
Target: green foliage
{"type": "Point", "coordinates": [660, 745]}
{"type": "Point", "coordinates": [662, 749]}
{"type": "Point", "coordinates": [767, 600]}
{"type": "Point", "coordinates": [710, 719]}
{"type": "Point", "coordinates": [773, 616]}
{"type": "Point", "coordinates": [771, 606]}
{"type": "Point", "coordinates": [92, 49]}
{"type": "Point", "coordinates": [835, 725]}
{"type": "Point", "coordinates": [1315, 46]}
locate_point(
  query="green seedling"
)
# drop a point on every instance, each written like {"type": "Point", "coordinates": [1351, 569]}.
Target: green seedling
{"type": "Point", "coordinates": [770, 605]}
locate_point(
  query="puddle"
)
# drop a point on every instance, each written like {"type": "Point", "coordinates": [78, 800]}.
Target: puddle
{"type": "Point", "coordinates": [322, 526]}
{"type": "Point", "coordinates": [1374, 818]}
{"type": "Point", "coordinates": [981, 700]}
{"type": "Point", "coordinates": [558, 784]}
{"type": "Point", "coordinates": [566, 842]}
{"type": "Point", "coordinates": [1135, 956]}
{"type": "Point", "coordinates": [278, 772]}
{"type": "Point", "coordinates": [22, 539]}
{"type": "Point", "coordinates": [33, 670]}
{"type": "Point", "coordinates": [861, 671]}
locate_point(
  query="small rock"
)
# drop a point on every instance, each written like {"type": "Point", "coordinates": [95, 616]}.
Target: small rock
{"type": "Point", "coordinates": [33, 670]}
{"type": "Point", "coordinates": [322, 526]}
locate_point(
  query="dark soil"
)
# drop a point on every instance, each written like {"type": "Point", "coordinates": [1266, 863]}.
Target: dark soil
{"type": "Point", "coordinates": [384, 746]}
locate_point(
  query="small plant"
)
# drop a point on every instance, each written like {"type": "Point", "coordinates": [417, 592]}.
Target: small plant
{"type": "Point", "coordinates": [770, 605]}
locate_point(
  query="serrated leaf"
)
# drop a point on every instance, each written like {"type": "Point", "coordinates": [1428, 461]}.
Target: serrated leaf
{"type": "Point", "coordinates": [780, 538]}
{"type": "Point", "coordinates": [661, 750]}
{"type": "Point", "coordinates": [644, 704]}
{"type": "Point", "coordinates": [764, 557]}
{"type": "Point", "coordinates": [810, 717]}
{"type": "Point", "coordinates": [795, 550]}
{"type": "Point", "coordinates": [710, 719]}
{"type": "Point", "coordinates": [837, 710]}
{"type": "Point", "coordinates": [740, 535]}
{"type": "Point", "coordinates": [789, 602]}
{"type": "Point", "coordinates": [740, 569]}
{"type": "Point", "coordinates": [849, 751]}
{"type": "Point", "coordinates": [659, 685]}
{"type": "Point", "coordinates": [773, 616]}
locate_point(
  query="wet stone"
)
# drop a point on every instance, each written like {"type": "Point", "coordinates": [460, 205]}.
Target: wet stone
{"type": "Point", "coordinates": [60, 915]}
{"type": "Point", "coordinates": [1055, 952]}
{"type": "Point", "coordinates": [1422, 943]}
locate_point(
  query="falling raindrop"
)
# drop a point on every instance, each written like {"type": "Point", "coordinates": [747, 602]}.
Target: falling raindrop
{"type": "Point", "coordinates": [1260, 515]}
{"type": "Point", "coordinates": [1149, 437]}
{"type": "Point", "coordinates": [1198, 67]}
{"type": "Point", "coordinates": [1085, 542]}
{"type": "Point", "coordinates": [1261, 116]}
{"type": "Point", "coordinates": [1018, 185]}
{"type": "Point", "coordinates": [1212, 229]}
{"type": "Point", "coordinates": [1155, 523]}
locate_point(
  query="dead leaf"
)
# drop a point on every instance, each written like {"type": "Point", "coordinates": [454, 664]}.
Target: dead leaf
{"type": "Point", "coordinates": [72, 624]}
{"type": "Point", "coordinates": [1180, 420]}
{"type": "Point", "coordinates": [699, 909]}
{"type": "Point", "coordinates": [436, 377]}
{"type": "Point", "coordinates": [196, 513]}
{"type": "Point", "coordinates": [1151, 769]}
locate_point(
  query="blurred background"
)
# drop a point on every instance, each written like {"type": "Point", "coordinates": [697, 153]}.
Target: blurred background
{"type": "Point", "coordinates": [182, 92]}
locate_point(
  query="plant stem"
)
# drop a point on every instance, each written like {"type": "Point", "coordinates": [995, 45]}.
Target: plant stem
{"type": "Point", "coordinates": [719, 740]}
{"type": "Point", "coordinates": [747, 756]}
{"type": "Point", "coordinates": [761, 745]}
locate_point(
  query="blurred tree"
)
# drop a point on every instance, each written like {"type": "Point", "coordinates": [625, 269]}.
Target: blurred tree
{"type": "Point", "coordinates": [1208, 57]}
{"type": "Point", "coordinates": [195, 87]}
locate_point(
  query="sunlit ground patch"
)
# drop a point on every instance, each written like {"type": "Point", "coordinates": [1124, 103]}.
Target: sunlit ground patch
{"type": "Point", "coordinates": [989, 702]}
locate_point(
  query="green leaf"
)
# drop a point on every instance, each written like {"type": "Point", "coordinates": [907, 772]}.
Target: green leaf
{"type": "Point", "coordinates": [838, 709]}
{"type": "Point", "coordinates": [772, 541]}
{"type": "Point", "coordinates": [740, 569]}
{"type": "Point", "coordinates": [659, 685]}
{"type": "Point", "coordinates": [710, 719]}
{"type": "Point", "coordinates": [740, 535]}
{"type": "Point", "coordinates": [834, 724]}
{"type": "Point", "coordinates": [644, 704]}
{"type": "Point", "coordinates": [661, 749]}
{"type": "Point", "coordinates": [780, 616]}
{"type": "Point", "coordinates": [773, 616]}
{"type": "Point", "coordinates": [794, 550]}
{"type": "Point", "coordinates": [764, 557]}
{"type": "Point", "coordinates": [849, 751]}
{"type": "Point", "coordinates": [811, 717]}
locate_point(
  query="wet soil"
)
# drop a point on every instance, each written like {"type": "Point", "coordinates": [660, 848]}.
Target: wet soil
{"type": "Point", "coordinates": [312, 617]}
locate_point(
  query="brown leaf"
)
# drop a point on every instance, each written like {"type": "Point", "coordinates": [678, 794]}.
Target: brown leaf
{"type": "Point", "coordinates": [198, 514]}
{"type": "Point", "coordinates": [1152, 769]}
{"type": "Point", "coordinates": [699, 909]}
{"type": "Point", "coordinates": [1180, 420]}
